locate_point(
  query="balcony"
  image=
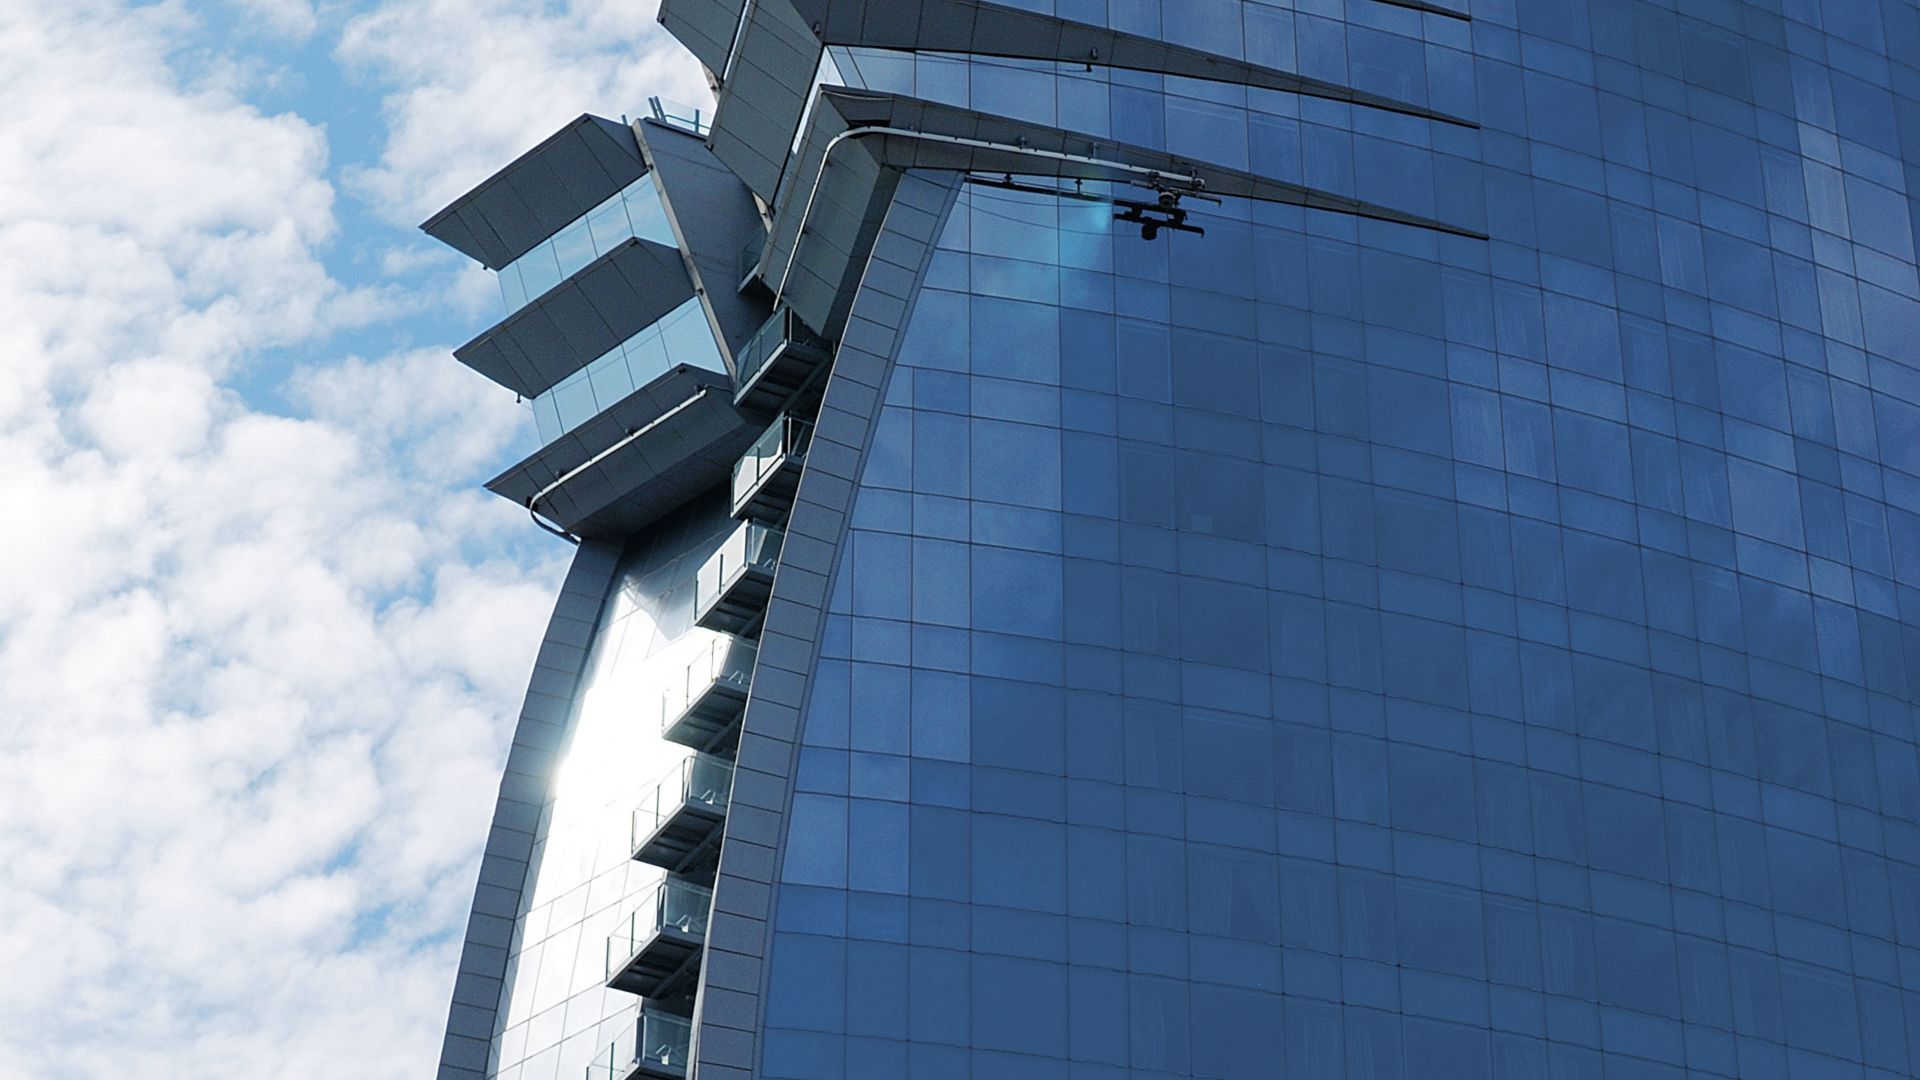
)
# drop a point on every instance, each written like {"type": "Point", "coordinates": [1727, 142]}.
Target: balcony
{"type": "Point", "coordinates": [656, 953]}
{"type": "Point", "coordinates": [678, 115]}
{"type": "Point", "coordinates": [678, 824]}
{"type": "Point", "coordinates": [777, 361]}
{"type": "Point", "coordinates": [704, 711]}
{"type": "Point", "coordinates": [731, 591]}
{"type": "Point", "coordinates": [767, 477]}
{"type": "Point", "coordinates": [657, 1049]}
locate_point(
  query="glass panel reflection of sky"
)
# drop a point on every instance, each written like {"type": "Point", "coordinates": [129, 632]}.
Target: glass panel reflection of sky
{"type": "Point", "coordinates": [633, 211]}
{"type": "Point", "coordinates": [683, 337]}
{"type": "Point", "coordinates": [557, 1015]}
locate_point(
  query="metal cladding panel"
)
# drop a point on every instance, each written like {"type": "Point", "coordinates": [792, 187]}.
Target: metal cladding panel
{"type": "Point", "coordinates": [545, 195]}
{"type": "Point", "coordinates": [808, 275]}
{"type": "Point", "coordinates": [614, 485]}
{"type": "Point", "coordinates": [581, 323]}
{"type": "Point", "coordinates": [893, 25]}
{"type": "Point", "coordinates": [986, 28]}
{"type": "Point", "coordinates": [574, 168]}
{"type": "Point", "coordinates": [610, 290]}
{"type": "Point", "coordinates": [504, 357]}
{"type": "Point", "coordinates": [765, 95]}
{"type": "Point", "coordinates": [715, 218]}
{"type": "Point", "coordinates": [825, 123]}
{"type": "Point", "coordinates": [460, 228]}
{"type": "Point", "coordinates": [1070, 152]}
{"type": "Point", "coordinates": [736, 139]}
{"type": "Point", "coordinates": [705, 27]}
{"type": "Point", "coordinates": [838, 22]}
{"type": "Point", "coordinates": [827, 217]}
{"type": "Point", "coordinates": [827, 272]}
{"type": "Point", "coordinates": [545, 189]}
{"type": "Point", "coordinates": [581, 319]}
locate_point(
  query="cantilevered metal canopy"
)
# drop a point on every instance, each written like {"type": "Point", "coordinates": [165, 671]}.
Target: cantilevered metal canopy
{"type": "Point", "coordinates": [988, 28]}
{"type": "Point", "coordinates": [544, 189]}
{"type": "Point", "coordinates": [709, 28]}
{"type": "Point", "coordinates": [766, 52]}
{"type": "Point", "coordinates": [859, 142]}
{"type": "Point", "coordinates": [654, 450]}
{"type": "Point", "coordinates": [579, 320]}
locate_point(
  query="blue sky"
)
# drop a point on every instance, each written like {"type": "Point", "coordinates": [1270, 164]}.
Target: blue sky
{"type": "Point", "coordinates": [261, 633]}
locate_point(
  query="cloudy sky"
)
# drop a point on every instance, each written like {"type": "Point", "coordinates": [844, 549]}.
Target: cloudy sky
{"type": "Point", "coordinates": [261, 634]}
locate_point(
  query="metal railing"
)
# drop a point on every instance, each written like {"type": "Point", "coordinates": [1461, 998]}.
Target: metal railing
{"type": "Point", "coordinates": [660, 1039]}
{"type": "Point", "coordinates": [782, 328]}
{"type": "Point", "coordinates": [753, 546]}
{"type": "Point", "coordinates": [685, 117]}
{"type": "Point", "coordinates": [676, 905]}
{"type": "Point", "coordinates": [700, 779]}
{"type": "Point", "coordinates": [789, 435]}
{"type": "Point", "coordinates": [727, 661]}
{"type": "Point", "coordinates": [750, 256]}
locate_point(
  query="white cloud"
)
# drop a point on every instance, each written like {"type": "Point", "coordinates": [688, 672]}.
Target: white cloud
{"type": "Point", "coordinates": [285, 18]}
{"type": "Point", "coordinates": [255, 670]}
{"type": "Point", "coordinates": [484, 80]}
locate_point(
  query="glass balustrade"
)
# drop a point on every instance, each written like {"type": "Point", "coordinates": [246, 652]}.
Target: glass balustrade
{"type": "Point", "coordinates": [688, 118]}
{"type": "Point", "coordinates": [772, 333]}
{"type": "Point", "coordinates": [777, 360]}
{"type": "Point", "coordinates": [704, 703]}
{"type": "Point", "coordinates": [677, 822]}
{"type": "Point", "coordinates": [677, 906]}
{"type": "Point", "coordinates": [767, 476]}
{"type": "Point", "coordinates": [750, 257]}
{"type": "Point", "coordinates": [657, 1047]}
{"type": "Point", "coordinates": [731, 590]}
{"type": "Point", "coordinates": [651, 952]}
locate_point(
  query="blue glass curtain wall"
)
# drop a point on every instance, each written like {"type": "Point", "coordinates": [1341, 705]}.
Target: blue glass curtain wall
{"type": "Point", "coordinates": [1325, 649]}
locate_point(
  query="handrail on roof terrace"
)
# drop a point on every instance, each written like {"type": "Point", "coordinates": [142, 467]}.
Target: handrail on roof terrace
{"type": "Point", "coordinates": [674, 114]}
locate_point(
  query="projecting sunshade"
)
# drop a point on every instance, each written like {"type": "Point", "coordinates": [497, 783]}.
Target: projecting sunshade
{"type": "Point", "coordinates": [827, 217]}
{"type": "Point", "coordinates": [768, 50]}
{"type": "Point", "coordinates": [615, 297]}
{"type": "Point", "coordinates": [546, 188]}
{"type": "Point", "coordinates": [653, 451]}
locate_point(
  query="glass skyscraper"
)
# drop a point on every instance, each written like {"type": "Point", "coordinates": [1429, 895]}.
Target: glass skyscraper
{"type": "Point", "coordinates": [1222, 539]}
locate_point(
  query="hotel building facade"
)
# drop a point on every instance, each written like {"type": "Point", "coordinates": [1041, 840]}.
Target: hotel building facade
{"type": "Point", "coordinates": [1218, 539]}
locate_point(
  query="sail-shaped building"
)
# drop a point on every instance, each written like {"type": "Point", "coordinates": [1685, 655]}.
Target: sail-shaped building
{"type": "Point", "coordinates": [1222, 539]}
